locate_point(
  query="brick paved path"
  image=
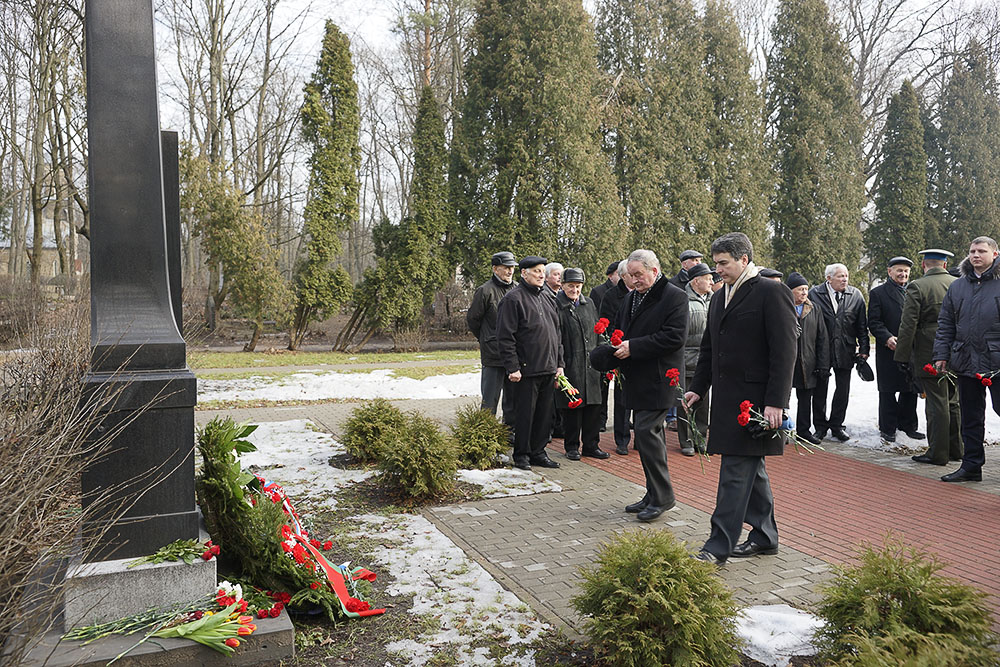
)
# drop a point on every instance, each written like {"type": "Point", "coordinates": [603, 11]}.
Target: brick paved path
{"type": "Point", "coordinates": [826, 503]}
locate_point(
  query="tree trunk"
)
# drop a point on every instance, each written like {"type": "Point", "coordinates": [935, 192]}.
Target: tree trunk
{"type": "Point", "coordinates": [254, 338]}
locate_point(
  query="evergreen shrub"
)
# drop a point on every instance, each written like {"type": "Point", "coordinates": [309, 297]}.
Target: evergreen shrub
{"type": "Point", "coordinates": [893, 608]}
{"type": "Point", "coordinates": [647, 602]}
{"type": "Point", "coordinates": [481, 438]}
{"type": "Point", "coordinates": [418, 459]}
{"type": "Point", "coordinates": [368, 428]}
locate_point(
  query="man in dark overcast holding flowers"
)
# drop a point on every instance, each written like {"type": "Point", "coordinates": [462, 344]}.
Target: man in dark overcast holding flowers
{"type": "Point", "coordinates": [747, 354]}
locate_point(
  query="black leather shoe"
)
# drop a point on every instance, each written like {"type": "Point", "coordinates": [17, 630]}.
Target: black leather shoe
{"type": "Point", "coordinates": [544, 462]}
{"type": "Point", "coordinates": [635, 508]}
{"type": "Point", "coordinates": [523, 465]}
{"type": "Point", "coordinates": [652, 512]}
{"type": "Point", "coordinates": [963, 475]}
{"type": "Point", "coordinates": [923, 458]}
{"type": "Point", "coordinates": [841, 434]}
{"type": "Point", "coordinates": [709, 557]}
{"type": "Point", "coordinates": [749, 548]}
{"type": "Point", "coordinates": [621, 450]}
{"type": "Point", "coordinates": [820, 434]}
{"type": "Point", "coordinates": [597, 454]}
{"type": "Point", "coordinates": [687, 451]}
{"type": "Point", "coordinates": [915, 434]}
{"type": "Point", "coordinates": [810, 438]}
{"type": "Point", "coordinates": [573, 455]}
{"type": "Point", "coordinates": [887, 437]}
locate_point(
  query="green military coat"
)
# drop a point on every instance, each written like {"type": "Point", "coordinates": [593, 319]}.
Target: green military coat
{"type": "Point", "coordinates": [919, 321]}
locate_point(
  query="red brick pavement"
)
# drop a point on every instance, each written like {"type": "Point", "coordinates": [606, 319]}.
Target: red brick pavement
{"type": "Point", "coordinates": [826, 505]}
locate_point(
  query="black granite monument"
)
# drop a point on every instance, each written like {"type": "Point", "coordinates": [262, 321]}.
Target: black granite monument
{"type": "Point", "coordinates": [138, 351]}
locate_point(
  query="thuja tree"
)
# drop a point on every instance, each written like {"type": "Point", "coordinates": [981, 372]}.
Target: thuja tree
{"type": "Point", "coordinates": [656, 132]}
{"type": "Point", "coordinates": [527, 171]}
{"type": "Point", "coordinates": [969, 186]}
{"type": "Point", "coordinates": [739, 171]}
{"type": "Point", "coordinates": [330, 124]}
{"type": "Point", "coordinates": [901, 184]}
{"type": "Point", "coordinates": [815, 136]}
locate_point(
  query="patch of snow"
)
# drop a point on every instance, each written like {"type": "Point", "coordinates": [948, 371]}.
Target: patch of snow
{"type": "Point", "coordinates": [774, 633]}
{"type": "Point", "coordinates": [861, 422]}
{"type": "Point", "coordinates": [466, 600]}
{"type": "Point", "coordinates": [297, 456]}
{"type": "Point", "coordinates": [313, 385]}
{"type": "Point", "coordinates": [506, 482]}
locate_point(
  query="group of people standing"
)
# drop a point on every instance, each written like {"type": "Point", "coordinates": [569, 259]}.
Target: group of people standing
{"type": "Point", "coordinates": [740, 334]}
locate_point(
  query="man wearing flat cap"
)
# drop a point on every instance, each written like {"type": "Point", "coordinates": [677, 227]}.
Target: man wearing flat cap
{"type": "Point", "coordinates": [915, 347]}
{"type": "Point", "coordinates": [688, 259]}
{"type": "Point", "coordinates": [771, 274]}
{"type": "Point", "coordinates": [897, 399]}
{"type": "Point", "coordinates": [531, 351]}
{"type": "Point", "coordinates": [482, 321]}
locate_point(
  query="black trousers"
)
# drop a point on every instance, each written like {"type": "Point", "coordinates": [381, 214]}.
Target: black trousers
{"type": "Point", "coordinates": [583, 423]}
{"type": "Point", "coordinates": [803, 409]}
{"type": "Point", "coordinates": [493, 381]}
{"type": "Point", "coordinates": [533, 415]}
{"type": "Point", "coordinates": [897, 413]}
{"type": "Point", "coordinates": [652, 447]}
{"type": "Point", "coordinates": [622, 414]}
{"type": "Point", "coordinates": [744, 496]}
{"type": "Point", "coordinates": [838, 411]}
{"type": "Point", "coordinates": [972, 401]}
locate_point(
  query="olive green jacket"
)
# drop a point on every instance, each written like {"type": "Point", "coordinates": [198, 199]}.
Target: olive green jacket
{"type": "Point", "coordinates": [919, 321]}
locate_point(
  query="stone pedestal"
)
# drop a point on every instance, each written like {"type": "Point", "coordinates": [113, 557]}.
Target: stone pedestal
{"type": "Point", "coordinates": [109, 590]}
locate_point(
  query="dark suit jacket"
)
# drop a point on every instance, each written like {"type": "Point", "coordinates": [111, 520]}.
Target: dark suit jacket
{"type": "Point", "coordinates": [656, 336]}
{"type": "Point", "coordinates": [848, 327]}
{"type": "Point", "coordinates": [612, 303]}
{"type": "Point", "coordinates": [747, 354]}
{"type": "Point", "coordinates": [885, 307]}
{"type": "Point", "coordinates": [597, 293]}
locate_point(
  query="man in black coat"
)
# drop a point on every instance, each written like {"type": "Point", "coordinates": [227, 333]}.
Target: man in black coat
{"type": "Point", "coordinates": [885, 307]}
{"type": "Point", "coordinates": [654, 319]}
{"type": "Point", "coordinates": [687, 259]}
{"type": "Point", "coordinates": [482, 321]}
{"type": "Point", "coordinates": [597, 296]}
{"type": "Point", "coordinates": [609, 310]}
{"type": "Point", "coordinates": [843, 309]}
{"type": "Point", "coordinates": [531, 352]}
{"type": "Point", "coordinates": [968, 343]}
{"type": "Point", "coordinates": [747, 354]}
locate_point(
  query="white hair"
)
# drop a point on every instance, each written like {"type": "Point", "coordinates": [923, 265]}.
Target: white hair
{"type": "Point", "coordinates": [647, 257]}
{"type": "Point", "coordinates": [623, 267]}
{"type": "Point", "coordinates": [553, 266]}
{"type": "Point", "coordinates": [833, 268]}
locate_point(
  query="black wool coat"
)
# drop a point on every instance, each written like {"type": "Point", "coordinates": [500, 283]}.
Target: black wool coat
{"type": "Point", "coordinates": [848, 327]}
{"type": "Point", "coordinates": [612, 303]}
{"type": "Point", "coordinates": [528, 332]}
{"type": "Point", "coordinates": [814, 348]}
{"type": "Point", "coordinates": [885, 308]}
{"type": "Point", "coordinates": [656, 335]}
{"type": "Point", "coordinates": [747, 354]}
{"type": "Point", "coordinates": [578, 339]}
{"type": "Point", "coordinates": [597, 294]}
{"type": "Point", "coordinates": [482, 318]}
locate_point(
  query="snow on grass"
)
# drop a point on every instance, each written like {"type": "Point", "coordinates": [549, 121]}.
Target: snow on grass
{"type": "Point", "coordinates": [463, 598]}
{"type": "Point", "coordinates": [504, 482]}
{"type": "Point", "coordinates": [861, 422]}
{"type": "Point", "coordinates": [297, 456]}
{"type": "Point", "coordinates": [318, 385]}
{"type": "Point", "coordinates": [774, 633]}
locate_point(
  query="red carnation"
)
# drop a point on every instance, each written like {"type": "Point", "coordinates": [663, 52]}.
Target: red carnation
{"type": "Point", "coordinates": [987, 382]}
{"type": "Point", "coordinates": [673, 373]}
{"type": "Point", "coordinates": [744, 418]}
{"type": "Point", "coordinates": [275, 612]}
{"type": "Point", "coordinates": [355, 605]}
{"type": "Point", "coordinates": [327, 545]}
{"type": "Point", "coordinates": [745, 406]}
{"type": "Point", "coordinates": [601, 326]}
{"type": "Point", "coordinates": [928, 368]}
{"type": "Point", "coordinates": [576, 403]}
{"type": "Point", "coordinates": [674, 382]}
{"type": "Point", "coordinates": [215, 549]}
{"type": "Point", "coordinates": [616, 337]}
{"type": "Point", "coordinates": [610, 376]}
{"type": "Point", "coordinates": [207, 555]}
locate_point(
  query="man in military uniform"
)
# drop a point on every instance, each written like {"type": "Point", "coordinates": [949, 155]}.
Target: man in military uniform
{"type": "Point", "coordinates": [915, 346]}
{"type": "Point", "coordinates": [885, 307]}
{"type": "Point", "coordinates": [482, 321]}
